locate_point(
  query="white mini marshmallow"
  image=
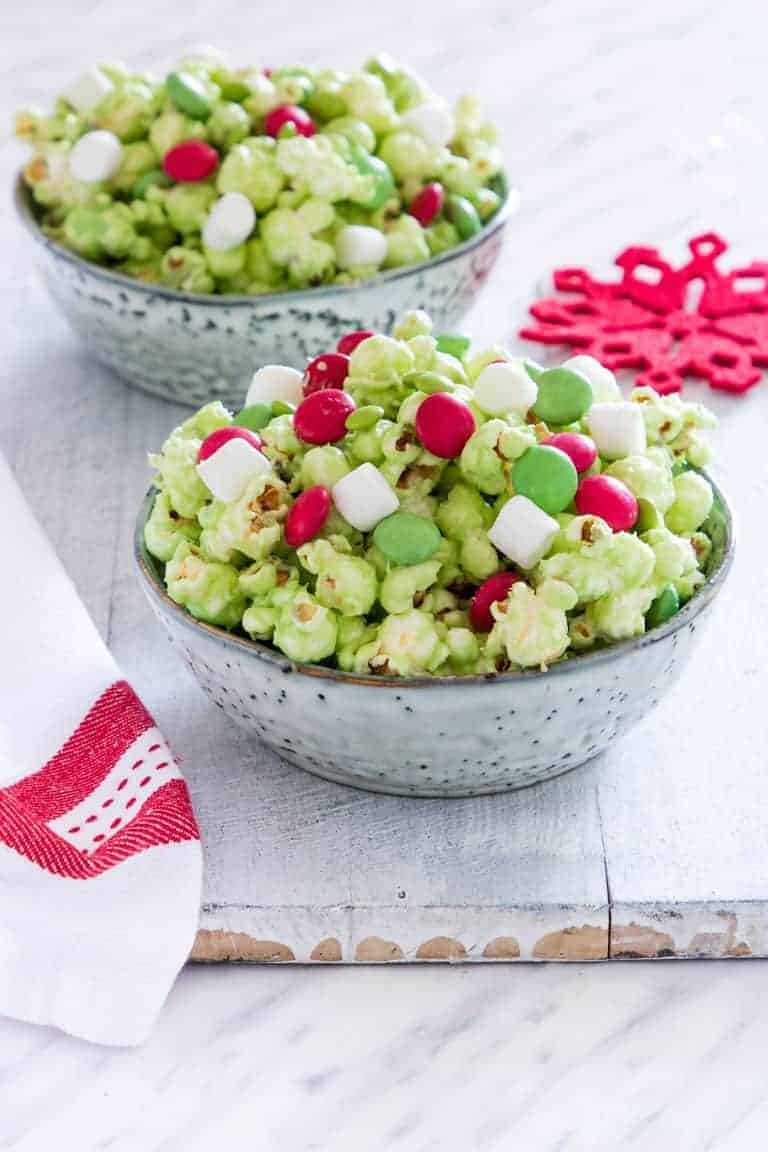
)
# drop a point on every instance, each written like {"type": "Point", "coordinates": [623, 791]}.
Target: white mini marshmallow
{"type": "Point", "coordinates": [505, 387]}
{"type": "Point", "coordinates": [227, 472]}
{"type": "Point", "coordinates": [363, 497]}
{"type": "Point", "coordinates": [229, 222]}
{"type": "Point", "coordinates": [432, 121]}
{"type": "Point", "coordinates": [95, 157]}
{"type": "Point", "coordinates": [618, 428]}
{"type": "Point", "coordinates": [358, 246]}
{"type": "Point", "coordinates": [602, 380]}
{"type": "Point", "coordinates": [85, 92]}
{"type": "Point", "coordinates": [275, 382]}
{"type": "Point", "coordinates": [523, 532]}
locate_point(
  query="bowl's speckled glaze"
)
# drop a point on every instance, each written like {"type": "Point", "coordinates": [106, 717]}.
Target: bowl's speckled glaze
{"type": "Point", "coordinates": [191, 349]}
{"type": "Point", "coordinates": [431, 736]}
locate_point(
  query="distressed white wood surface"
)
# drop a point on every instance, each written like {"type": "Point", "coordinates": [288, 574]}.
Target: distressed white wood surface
{"type": "Point", "coordinates": [620, 125]}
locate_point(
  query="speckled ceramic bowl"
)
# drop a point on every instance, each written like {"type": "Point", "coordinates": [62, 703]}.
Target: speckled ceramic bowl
{"type": "Point", "coordinates": [192, 349]}
{"type": "Point", "coordinates": [433, 736]}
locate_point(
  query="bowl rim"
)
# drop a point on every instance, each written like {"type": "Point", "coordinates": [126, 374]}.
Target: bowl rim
{"type": "Point", "coordinates": [24, 208]}
{"type": "Point", "coordinates": [264, 652]}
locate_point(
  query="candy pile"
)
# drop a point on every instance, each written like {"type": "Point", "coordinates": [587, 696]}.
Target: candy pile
{"type": "Point", "coordinates": [405, 506]}
{"type": "Point", "coordinates": [247, 180]}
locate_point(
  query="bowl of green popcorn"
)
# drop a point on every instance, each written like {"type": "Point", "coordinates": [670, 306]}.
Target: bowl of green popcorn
{"type": "Point", "coordinates": [421, 569]}
{"type": "Point", "coordinates": [194, 225]}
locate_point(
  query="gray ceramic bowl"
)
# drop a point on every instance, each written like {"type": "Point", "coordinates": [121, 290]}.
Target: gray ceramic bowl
{"type": "Point", "coordinates": [442, 736]}
{"type": "Point", "coordinates": [191, 348]}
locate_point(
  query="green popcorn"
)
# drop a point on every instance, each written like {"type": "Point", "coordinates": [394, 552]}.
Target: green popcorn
{"type": "Point", "coordinates": [407, 644]}
{"type": "Point", "coordinates": [187, 205]}
{"type": "Point", "coordinates": [463, 649]}
{"type": "Point", "coordinates": [137, 159]}
{"type": "Point", "coordinates": [272, 584]}
{"type": "Point", "coordinates": [99, 232]}
{"type": "Point", "coordinates": [127, 110]}
{"type": "Point", "coordinates": [620, 616]}
{"type": "Point", "coordinates": [376, 371]}
{"type": "Point", "coordinates": [208, 590]}
{"type": "Point", "coordinates": [405, 88]}
{"type": "Point", "coordinates": [252, 168]}
{"type": "Point", "coordinates": [350, 128]}
{"type": "Point", "coordinates": [31, 124]}
{"type": "Point", "coordinates": [692, 504]}
{"type": "Point", "coordinates": [262, 97]}
{"type": "Point", "coordinates": [186, 269]}
{"type": "Point", "coordinates": [414, 324]}
{"type": "Point", "coordinates": [463, 511]}
{"type": "Point", "coordinates": [315, 168]}
{"type": "Point", "coordinates": [471, 124]}
{"type": "Point", "coordinates": [441, 236]}
{"type": "Point", "coordinates": [367, 445]}
{"type": "Point", "coordinates": [292, 85]}
{"type": "Point", "coordinates": [171, 128]}
{"type": "Point", "coordinates": [528, 631]}
{"type": "Point", "coordinates": [366, 98]}
{"type": "Point", "coordinates": [176, 462]}
{"type": "Point", "coordinates": [165, 529]}
{"type": "Point", "coordinates": [702, 547]}
{"type": "Point", "coordinates": [344, 582]}
{"type": "Point", "coordinates": [229, 123]}
{"type": "Point", "coordinates": [645, 477]}
{"type": "Point", "coordinates": [325, 101]}
{"type": "Point", "coordinates": [260, 268]}
{"type": "Point", "coordinates": [289, 241]}
{"type": "Point", "coordinates": [675, 555]}
{"type": "Point", "coordinates": [581, 632]}
{"type": "Point", "coordinates": [410, 157]}
{"type": "Point", "coordinates": [691, 448]}
{"type": "Point", "coordinates": [226, 265]}
{"type": "Point", "coordinates": [482, 461]}
{"type": "Point", "coordinates": [47, 176]}
{"type": "Point", "coordinates": [557, 594]}
{"type": "Point", "coordinates": [478, 557]}
{"type": "Point", "coordinates": [663, 418]}
{"type": "Point", "coordinates": [403, 588]}
{"type": "Point", "coordinates": [475, 364]}
{"type": "Point", "coordinates": [579, 530]}
{"type": "Point", "coordinates": [686, 585]}
{"type": "Point", "coordinates": [325, 465]}
{"type": "Point", "coordinates": [353, 633]}
{"type": "Point", "coordinates": [611, 565]}
{"type": "Point", "coordinates": [406, 243]}
{"type": "Point", "coordinates": [281, 445]}
{"type": "Point", "coordinates": [306, 631]}
{"type": "Point", "coordinates": [401, 447]}
{"type": "Point", "coordinates": [250, 525]}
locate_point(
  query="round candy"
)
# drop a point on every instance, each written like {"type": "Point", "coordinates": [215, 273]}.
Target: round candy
{"type": "Point", "coordinates": [255, 417]}
{"type": "Point", "coordinates": [364, 417]}
{"type": "Point", "coordinates": [190, 161]}
{"type": "Point", "coordinates": [663, 607]}
{"type": "Point", "coordinates": [564, 396]}
{"type": "Point", "coordinates": [348, 343]}
{"type": "Point", "coordinates": [405, 538]}
{"type": "Point", "coordinates": [444, 424]}
{"type": "Point", "coordinates": [428, 204]}
{"type": "Point", "coordinates": [322, 417]}
{"type": "Point", "coordinates": [490, 591]}
{"type": "Point", "coordinates": [327, 371]}
{"type": "Point", "coordinates": [358, 246]}
{"type": "Point", "coordinates": [609, 499]}
{"type": "Point", "coordinates": [463, 215]}
{"type": "Point", "coordinates": [221, 436]}
{"type": "Point", "coordinates": [289, 114]}
{"type": "Point", "coordinates": [430, 382]}
{"type": "Point", "coordinates": [581, 449]}
{"type": "Point", "coordinates": [189, 95]}
{"type": "Point", "coordinates": [547, 477]}
{"type": "Point", "coordinates": [307, 515]}
{"type": "Point", "coordinates": [95, 157]}
{"type": "Point", "coordinates": [229, 223]}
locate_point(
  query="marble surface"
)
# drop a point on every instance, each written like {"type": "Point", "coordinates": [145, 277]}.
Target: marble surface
{"type": "Point", "coordinates": [622, 122]}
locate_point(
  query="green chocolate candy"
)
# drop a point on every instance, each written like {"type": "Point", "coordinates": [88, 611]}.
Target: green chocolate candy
{"type": "Point", "coordinates": [453, 343]}
{"type": "Point", "coordinates": [430, 382]}
{"type": "Point", "coordinates": [547, 477]}
{"type": "Point", "coordinates": [534, 370]}
{"type": "Point", "coordinates": [564, 396]}
{"type": "Point", "coordinates": [407, 539]}
{"type": "Point", "coordinates": [663, 607]}
{"type": "Point", "coordinates": [463, 215]}
{"type": "Point", "coordinates": [282, 408]}
{"type": "Point", "coordinates": [364, 417]}
{"type": "Point", "coordinates": [155, 178]}
{"type": "Point", "coordinates": [648, 516]}
{"type": "Point", "coordinates": [254, 417]}
{"type": "Point", "coordinates": [188, 94]}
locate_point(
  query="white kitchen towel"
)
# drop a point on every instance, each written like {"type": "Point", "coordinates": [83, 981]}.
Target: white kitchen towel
{"type": "Point", "coordinates": [100, 859]}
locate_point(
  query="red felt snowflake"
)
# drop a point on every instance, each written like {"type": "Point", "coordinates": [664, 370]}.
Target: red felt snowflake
{"type": "Point", "coordinates": [645, 320]}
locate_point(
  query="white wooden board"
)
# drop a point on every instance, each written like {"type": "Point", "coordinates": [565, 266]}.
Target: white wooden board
{"type": "Point", "coordinates": [661, 848]}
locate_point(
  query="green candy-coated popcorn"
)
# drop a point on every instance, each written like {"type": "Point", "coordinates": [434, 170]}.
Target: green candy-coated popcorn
{"type": "Point", "coordinates": [250, 525]}
{"type": "Point", "coordinates": [228, 125]}
{"type": "Point", "coordinates": [317, 169]}
{"type": "Point", "coordinates": [405, 88]}
{"type": "Point", "coordinates": [482, 461]}
{"type": "Point", "coordinates": [353, 633]}
{"type": "Point", "coordinates": [410, 157]}
{"type": "Point", "coordinates": [344, 582]}
{"type": "Point", "coordinates": [137, 159]}
{"type": "Point", "coordinates": [376, 371]}
{"type": "Point", "coordinates": [127, 110]}
{"type": "Point", "coordinates": [528, 631]}
{"type": "Point", "coordinates": [478, 557]}
{"type": "Point", "coordinates": [323, 465]}
{"type": "Point", "coordinates": [355, 130]}
{"type": "Point", "coordinates": [187, 205]}
{"type": "Point", "coordinates": [306, 630]}
{"type": "Point", "coordinates": [176, 462]}
{"type": "Point", "coordinates": [463, 511]}
{"type": "Point", "coordinates": [366, 98]}
{"type": "Point", "coordinates": [403, 588]}
{"type": "Point", "coordinates": [165, 529]}
{"type": "Point", "coordinates": [611, 565]}
{"type": "Point", "coordinates": [251, 168]}
{"type": "Point", "coordinates": [406, 243]}
{"type": "Point", "coordinates": [186, 269]}
{"type": "Point", "coordinates": [226, 265]}
{"type": "Point", "coordinates": [208, 590]}
{"type": "Point", "coordinates": [272, 584]}
{"type": "Point", "coordinates": [441, 236]}
{"type": "Point", "coordinates": [407, 644]}
{"type": "Point", "coordinates": [646, 478]}
{"type": "Point", "coordinates": [675, 555]}
{"type": "Point", "coordinates": [620, 616]}
{"type": "Point", "coordinates": [289, 241]}
{"type": "Point", "coordinates": [692, 504]}
{"type": "Point", "coordinates": [581, 632]}
{"type": "Point", "coordinates": [415, 323]}
{"type": "Point", "coordinates": [367, 446]}
{"type": "Point", "coordinates": [98, 232]}
{"type": "Point", "coordinates": [171, 128]}
{"type": "Point", "coordinates": [280, 444]}
{"type": "Point", "coordinates": [463, 649]}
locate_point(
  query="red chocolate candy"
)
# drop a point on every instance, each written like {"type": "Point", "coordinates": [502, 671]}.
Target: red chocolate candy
{"type": "Point", "coordinates": [348, 343]}
{"type": "Point", "coordinates": [322, 417]}
{"type": "Point", "coordinates": [221, 436]}
{"type": "Point", "coordinates": [428, 204]}
{"type": "Point", "coordinates": [327, 371]}
{"type": "Point", "coordinates": [307, 515]}
{"type": "Point", "coordinates": [609, 499]}
{"type": "Point", "coordinates": [289, 114]}
{"type": "Point", "coordinates": [190, 161]}
{"type": "Point", "coordinates": [581, 449]}
{"type": "Point", "coordinates": [490, 591]}
{"type": "Point", "coordinates": [444, 424]}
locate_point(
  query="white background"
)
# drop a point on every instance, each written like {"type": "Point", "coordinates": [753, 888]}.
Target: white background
{"type": "Point", "coordinates": [622, 122]}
